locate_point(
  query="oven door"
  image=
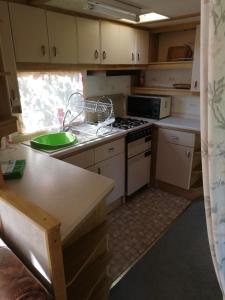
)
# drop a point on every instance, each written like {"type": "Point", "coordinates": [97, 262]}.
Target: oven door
{"type": "Point", "coordinates": [138, 171]}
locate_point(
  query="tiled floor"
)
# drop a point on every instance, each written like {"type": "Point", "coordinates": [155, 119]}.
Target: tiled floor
{"type": "Point", "coordinates": [135, 227]}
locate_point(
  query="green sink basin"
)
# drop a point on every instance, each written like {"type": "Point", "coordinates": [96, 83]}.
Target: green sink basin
{"type": "Point", "coordinates": [53, 141]}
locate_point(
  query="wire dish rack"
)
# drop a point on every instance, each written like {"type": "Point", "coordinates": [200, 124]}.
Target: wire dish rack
{"type": "Point", "coordinates": [98, 113]}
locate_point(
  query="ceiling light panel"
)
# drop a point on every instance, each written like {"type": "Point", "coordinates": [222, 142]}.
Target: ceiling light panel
{"type": "Point", "coordinates": [112, 11]}
{"type": "Point", "coordinates": [151, 17]}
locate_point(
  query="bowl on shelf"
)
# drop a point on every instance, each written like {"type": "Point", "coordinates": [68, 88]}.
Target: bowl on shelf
{"type": "Point", "coordinates": [54, 141]}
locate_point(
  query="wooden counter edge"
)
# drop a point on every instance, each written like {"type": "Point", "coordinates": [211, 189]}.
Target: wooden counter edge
{"type": "Point", "coordinates": [51, 227]}
{"type": "Point", "coordinates": [29, 209]}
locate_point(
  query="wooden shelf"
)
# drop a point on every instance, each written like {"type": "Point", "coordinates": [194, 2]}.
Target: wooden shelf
{"type": "Point", "coordinates": [170, 65]}
{"type": "Point", "coordinates": [163, 91]}
{"type": "Point", "coordinates": [8, 126]}
{"type": "Point", "coordinates": [77, 67]}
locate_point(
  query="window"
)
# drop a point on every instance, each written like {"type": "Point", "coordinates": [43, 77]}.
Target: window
{"type": "Point", "coordinates": [44, 98]}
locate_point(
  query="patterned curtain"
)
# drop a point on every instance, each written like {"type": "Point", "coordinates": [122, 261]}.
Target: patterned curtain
{"type": "Point", "coordinates": [213, 127]}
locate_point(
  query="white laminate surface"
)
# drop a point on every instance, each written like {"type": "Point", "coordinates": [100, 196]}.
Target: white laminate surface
{"type": "Point", "coordinates": [65, 191]}
{"type": "Point", "coordinates": [180, 123]}
{"type": "Point", "coordinates": [173, 122]}
{"type": "Point", "coordinates": [95, 142]}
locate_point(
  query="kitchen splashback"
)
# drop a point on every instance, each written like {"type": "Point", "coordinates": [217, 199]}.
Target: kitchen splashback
{"type": "Point", "coordinates": [182, 106]}
{"type": "Point", "coordinates": [103, 85]}
{"type": "Point", "coordinates": [119, 103]}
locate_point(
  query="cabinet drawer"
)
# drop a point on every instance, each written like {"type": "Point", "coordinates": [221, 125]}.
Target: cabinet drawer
{"type": "Point", "coordinates": [83, 160]}
{"type": "Point", "coordinates": [177, 137]}
{"type": "Point", "coordinates": [109, 150]}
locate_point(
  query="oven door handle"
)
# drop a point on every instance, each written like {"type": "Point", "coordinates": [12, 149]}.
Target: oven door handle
{"type": "Point", "coordinates": [148, 153]}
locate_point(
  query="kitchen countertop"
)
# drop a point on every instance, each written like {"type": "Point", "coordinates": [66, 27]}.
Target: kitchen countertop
{"type": "Point", "coordinates": [92, 143]}
{"type": "Point", "coordinates": [70, 200]}
{"type": "Point", "coordinates": [169, 122]}
{"type": "Point", "coordinates": [174, 122]}
{"type": "Point", "coordinates": [67, 192]}
{"type": "Point", "coordinates": [179, 123]}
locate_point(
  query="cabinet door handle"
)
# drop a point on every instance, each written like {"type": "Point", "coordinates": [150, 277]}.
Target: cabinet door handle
{"type": "Point", "coordinates": [104, 55]}
{"type": "Point", "coordinates": [132, 56]}
{"type": "Point", "coordinates": [99, 171]}
{"type": "Point", "coordinates": [96, 54]}
{"type": "Point", "coordinates": [138, 56]}
{"type": "Point", "coordinates": [148, 153]}
{"type": "Point", "coordinates": [111, 149]}
{"type": "Point", "coordinates": [175, 138]}
{"type": "Point", "coordinates": [43, 50]}
{"type": "Point", "coordinates": [196, 84]}
{"type": "Point", "coordinates": [54, 50]}
{"type": "Point", "coordinates": [188, 154]}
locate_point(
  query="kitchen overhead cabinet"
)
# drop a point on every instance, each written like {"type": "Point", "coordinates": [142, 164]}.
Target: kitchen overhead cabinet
{"type": "Point", "coordinates": [8, 58]}
{"type": "Point", "coordinates": [142, 47]}
{"type": "Point", "coordinates": [30, 34]}
{"type": "Point", "coordinates": [42, 36]}
{"type": "Point", "coordinates": [9, 91]}
{"type": "Point", "coordinates": [134, 45]}
{"type": "Point", "coordinates": [195, 83]}
{"type": "Point", "coordinates": [88, 35]}
{"type": "Point", "coordinates": [62, 38]}
{"type": "Point", "coordinates": [127, 45]}
{"type": "Point", "coordinates": [110, 43]}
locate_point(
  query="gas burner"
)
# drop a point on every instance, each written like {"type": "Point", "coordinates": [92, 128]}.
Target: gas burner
{"type": "Point", "coordinates": [127, 123]}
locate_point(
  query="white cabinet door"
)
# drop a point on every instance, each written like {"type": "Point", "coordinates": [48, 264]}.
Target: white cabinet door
{"type": "Point", "coordinates": [142, 47]}
{"type": "Point", "coordinates": [113, 168]}
{"type": "Point", "coordinates": [110, 43]}
{"type": "Point", "coordinates": [9, 58]}
{"type": "Point", "coordinates": [30, 35]}
{"type": "Point", "coordinates": [195, 84]}
{"type": "Point", "coordinates": [138, 174]}
{"type": "Point", "coordinates": [126, 45]}
{"type": "Point", "coordinates": [174, 164]}
{"type": "Point", "coordinates": [84, 159]}
{"type": "Point", "coordinates": [88, 34]}
{"type": "Point", "coordinates": [62, 38]}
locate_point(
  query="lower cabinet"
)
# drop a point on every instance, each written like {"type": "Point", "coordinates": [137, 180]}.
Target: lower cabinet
{"type": "Point", "coordinates": [174, 164]}
{"type": "Point", "coordinates": [113, 168]}
{"type": "Point", "coordinates": [86, 256]}
{"type": "Point", "coordinates": [178, 161]}
{"type": "Point", "coordinates": [107, 160]}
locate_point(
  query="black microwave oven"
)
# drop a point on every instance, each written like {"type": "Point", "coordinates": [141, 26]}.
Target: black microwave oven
{"type": "Point", "coordinates": [152, 107]}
